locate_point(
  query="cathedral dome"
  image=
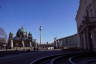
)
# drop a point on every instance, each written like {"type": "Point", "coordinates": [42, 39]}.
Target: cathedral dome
{"type": "Point", "coordinates": [21, 32]}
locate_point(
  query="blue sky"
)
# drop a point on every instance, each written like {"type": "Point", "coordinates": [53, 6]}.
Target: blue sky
{"type": "Point", "coordinates": [56, 16]}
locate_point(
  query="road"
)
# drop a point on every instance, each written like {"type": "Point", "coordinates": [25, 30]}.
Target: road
{"type": "Point", "coordinates": [26, 58]}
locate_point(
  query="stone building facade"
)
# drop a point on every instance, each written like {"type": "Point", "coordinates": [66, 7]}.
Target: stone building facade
{"type": "Point", "coordinates": [86, 24]}
{"type": "Point", "coordinates": [72, 41]}
{"type": "Point", "coordinates": [22, 39]}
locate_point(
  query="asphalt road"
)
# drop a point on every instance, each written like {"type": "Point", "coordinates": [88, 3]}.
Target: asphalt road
{"type": "Point", "coordinates": [27, 58]}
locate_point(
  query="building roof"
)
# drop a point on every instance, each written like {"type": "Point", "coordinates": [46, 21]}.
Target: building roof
{"type": "Point", "coordinates": [67, 37]}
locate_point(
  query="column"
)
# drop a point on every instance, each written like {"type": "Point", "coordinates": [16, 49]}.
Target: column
{"type": "Point", "coordinates": [86, 41]}
{"type": "Point", "coordinates": [23, 43]}
{"type": "Point", "coordinates": [30, 44]}
{"type": "Point", "coordinates": [89, 40]}
{"type": "Point", "coordinates": [81, 41]}
{"type": "Point", "coordinates": [56, 44]}
{"type": "Point", "coordinates": [12, 44]}
{"type": "Point", "coordinates": [61, 43]}
{"type": "Point", "coordinates": [94, 38]}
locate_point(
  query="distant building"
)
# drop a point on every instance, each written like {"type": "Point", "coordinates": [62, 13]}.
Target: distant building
{"type": "Point", "coordinates": [22, 39]}
{"type": "Point", "coordinates": [45, 46]}
{"type": "Point", "coordinates": [86, 24]}
{"type": "Point", "coordinates": [72, 41]}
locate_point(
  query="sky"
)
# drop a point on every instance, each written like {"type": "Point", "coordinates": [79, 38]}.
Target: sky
{"type": "Point", "coordinates": [57, 17]}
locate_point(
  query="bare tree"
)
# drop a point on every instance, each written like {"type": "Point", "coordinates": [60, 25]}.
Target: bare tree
{"type": "Point", "coordinates": [2, 33]}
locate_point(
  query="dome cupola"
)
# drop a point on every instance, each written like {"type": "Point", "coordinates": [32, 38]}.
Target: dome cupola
{"type": "Point", "coordinates": [21, 33]}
